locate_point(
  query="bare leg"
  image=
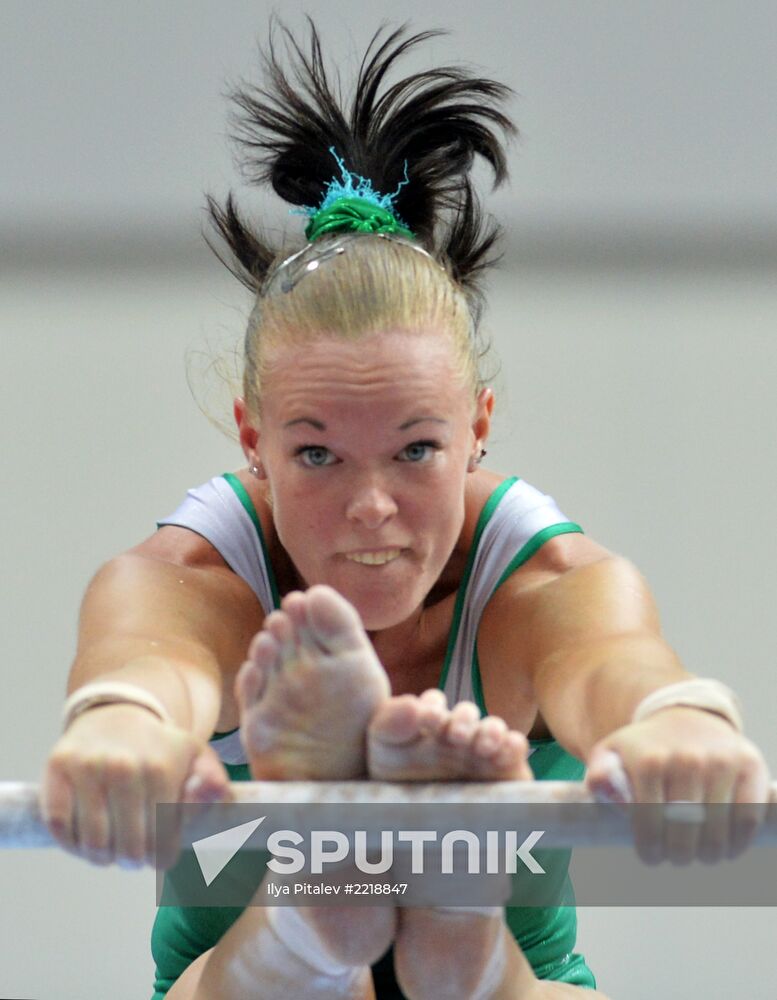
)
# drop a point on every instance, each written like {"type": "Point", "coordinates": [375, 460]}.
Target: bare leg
{"type": "Point", "coordinates": [255, 960]}
{"type": "Point", "coordinates": [429, 941]}
{"type": "Point", "coordinates": [455, 953]}
{"type": "Point", "coordinates": [309, 686]}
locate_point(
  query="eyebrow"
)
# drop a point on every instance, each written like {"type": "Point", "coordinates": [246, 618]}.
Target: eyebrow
{"type": "Point", "coordinates": [319, 426]}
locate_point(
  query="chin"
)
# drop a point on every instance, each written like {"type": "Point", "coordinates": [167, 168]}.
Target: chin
{"type": "Point", "coordinates": [382, 610]}
{"type": "Point", "coordinates": [376, 621]}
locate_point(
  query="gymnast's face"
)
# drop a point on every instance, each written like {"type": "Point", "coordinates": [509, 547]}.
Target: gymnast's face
{"type": "Point", "coordinates": [366, 447]}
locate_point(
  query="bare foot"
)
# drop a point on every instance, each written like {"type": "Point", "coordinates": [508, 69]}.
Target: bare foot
{"type": "Point", "coordinates": [306, 693]}
{"type": "Point", "coordinates": [454, 953]}
{"type": "Point", "coordinates": [419, 739]}
{"type": "Point", "coordinates": [309, 687]}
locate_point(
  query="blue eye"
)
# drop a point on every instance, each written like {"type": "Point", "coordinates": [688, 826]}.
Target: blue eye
{"type": "Point", "coordinates": [418, 451]}
{"type": "Point", "coordinates": [314, 456]}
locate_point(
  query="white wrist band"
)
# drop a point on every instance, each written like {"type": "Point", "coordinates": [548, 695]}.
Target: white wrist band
{"type": "Point", "coordinates": [700, 692]}
{"type": "Point", "coordinates": [110, 693]}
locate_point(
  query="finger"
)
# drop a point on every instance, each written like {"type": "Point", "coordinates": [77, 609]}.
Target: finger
{"type": "Point", "coordinates": [164, 833]}
{"type": "Point", "coordinates": [682, 826]}
{"type": "Point", "coordinates": [208, 781]}
{"type": "Point", "coordinates": [92, 822]}
{"type": "Point", "coordinates": [162, 820]}
{"type": "Point", "coordinates": [715, 834]}
{"type": "Point", "coordinates": [647, 781]}
{"type": "Point", "coordinates": [126, 802]}
{"type": "Point", "coordinates": [606, 777]}
{"type": "Point", "coordinates": [751, 798]}
{"type": "Point", "coordinates": [57, 806]}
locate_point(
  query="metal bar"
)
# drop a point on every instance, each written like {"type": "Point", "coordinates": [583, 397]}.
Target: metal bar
{"type": "Point", "coordinates": [21, 825]}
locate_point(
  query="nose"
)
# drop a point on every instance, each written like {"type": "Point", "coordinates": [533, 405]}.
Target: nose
{"type": "Point", "coordinates": [371, 506]}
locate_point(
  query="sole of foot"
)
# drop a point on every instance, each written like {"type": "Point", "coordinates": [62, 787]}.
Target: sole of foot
{"type": "Point", "coordinates": [308, 689]}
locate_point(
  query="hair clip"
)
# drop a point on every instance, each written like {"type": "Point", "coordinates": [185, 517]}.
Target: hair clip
{"type": "Point", "coordinates": [294, 268]}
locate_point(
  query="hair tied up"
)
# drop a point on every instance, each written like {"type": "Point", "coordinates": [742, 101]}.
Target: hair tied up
{"type": "Point", "coordinates": [351, 204]}
{"type": "Point", "coordinates": [417, 139]}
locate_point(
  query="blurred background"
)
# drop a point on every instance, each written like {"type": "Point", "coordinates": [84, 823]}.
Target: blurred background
{"type": "Point", "coordinates": [633, 323]}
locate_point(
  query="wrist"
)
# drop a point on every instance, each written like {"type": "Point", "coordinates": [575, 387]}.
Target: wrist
{"type": "Point", "coordinates": [102, 693]}
{"type": "Point", "coordinates": [701, 693]}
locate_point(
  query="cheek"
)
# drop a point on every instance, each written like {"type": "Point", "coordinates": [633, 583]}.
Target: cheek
{"type": "Point", "coordinates": [309, 521]}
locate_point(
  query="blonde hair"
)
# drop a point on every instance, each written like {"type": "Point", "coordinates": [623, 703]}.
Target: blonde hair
{"type": "Point", "coordinates": [370, 285]}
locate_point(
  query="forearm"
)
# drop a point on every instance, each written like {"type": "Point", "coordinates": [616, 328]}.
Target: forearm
{"type": "Point", "coordinates": [184, 677]}
{"type": "Point", "coordinates": [177, 632]}
{"type": "Point", "coordinates": [588, 691]}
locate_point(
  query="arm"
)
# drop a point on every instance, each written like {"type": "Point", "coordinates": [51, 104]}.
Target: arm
{"type": "Point", "coordinates": [595, 650]}
{"type": "Point", "coordinates": [584, 628]}
{"type": "Point", "coordinates": [171, 618]}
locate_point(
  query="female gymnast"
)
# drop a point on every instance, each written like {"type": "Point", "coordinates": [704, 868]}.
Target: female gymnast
{"type": "Point", "coordinates": [360, 598]}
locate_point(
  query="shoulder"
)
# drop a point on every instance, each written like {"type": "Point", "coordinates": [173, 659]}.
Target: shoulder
{"type": "Point", "coordinates": [566, 568]}
{"type": "Point", "coordinates": [568, 591]}
{"type": "Point", "coordinates": [185, 547]}
{"type": "Point", "coordinates": [571, 590]}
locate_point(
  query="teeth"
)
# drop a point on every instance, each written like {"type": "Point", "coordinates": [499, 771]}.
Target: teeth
{"type": "Point", "coordinates": [375, 558]}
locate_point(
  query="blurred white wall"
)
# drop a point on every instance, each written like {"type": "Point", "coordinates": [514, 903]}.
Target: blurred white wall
{"type": "Point", "coordinates": [634, 319]}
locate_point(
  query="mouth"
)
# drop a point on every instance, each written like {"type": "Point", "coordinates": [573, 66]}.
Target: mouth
{"type": "Point", "coordinates": [378, 558]}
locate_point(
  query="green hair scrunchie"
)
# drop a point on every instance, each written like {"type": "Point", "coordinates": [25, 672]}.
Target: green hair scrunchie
{"type": "Point", "coordinates": [354, 215]}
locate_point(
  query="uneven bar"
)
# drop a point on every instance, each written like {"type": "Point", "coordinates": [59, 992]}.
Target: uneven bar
{"type": "Point", "coordinates": [21, 825]}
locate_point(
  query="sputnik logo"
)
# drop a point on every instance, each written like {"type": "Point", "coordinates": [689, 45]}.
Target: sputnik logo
{"type": "Point", "coordinates": [214, 853]}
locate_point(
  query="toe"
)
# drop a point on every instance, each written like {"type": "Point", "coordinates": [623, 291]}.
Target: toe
{"type": "Point", "coordinates": [396, 720]}
{"type": "Point", "coordinates": [295, 605]}
{"type": "Point", "coordinates": [334, 622]}
{"type": "Point", "coordinates": [432, 712]}
{"type": "Point", "coordinates": [252, 677]}
{"type": "Point", "coordinates": [489, 736]}
{"type": "Point", "coordinates": [512, 755]}
{"type": "Point", "coordinates": [463, 723]}
{"type": "Point", "coordinates": [279, 626]}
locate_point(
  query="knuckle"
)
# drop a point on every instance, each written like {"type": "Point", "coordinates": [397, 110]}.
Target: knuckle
{"type": "Point", "coordinates": [60, 763]}
{"type": "Point", "coordinates": [716, 765]}
{"type": "Point", "coordinates": [91, 768]}
{"type": "Point", "coordinates": [122, 771]}
{"type": "Point", "coordinates": [652, 765]}
{"type": "Point", "coordinates": [154, 772]}
{"type": "Point", "coordinates": [688, 760]}
{"type": "Point", "coordinates": [750, 761]}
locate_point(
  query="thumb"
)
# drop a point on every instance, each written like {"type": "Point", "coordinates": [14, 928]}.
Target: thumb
{"type": "Point", "coordinates": [208, 780]}
{"type": "Point", "coordinates": [606, 776]}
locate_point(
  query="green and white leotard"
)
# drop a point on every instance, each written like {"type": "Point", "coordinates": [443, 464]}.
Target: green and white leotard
{"type": "Point", "coordinates": [516, 520]}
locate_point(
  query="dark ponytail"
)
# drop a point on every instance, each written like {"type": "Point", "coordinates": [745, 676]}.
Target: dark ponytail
{"type": "Point", "coordinates": [428, 127]}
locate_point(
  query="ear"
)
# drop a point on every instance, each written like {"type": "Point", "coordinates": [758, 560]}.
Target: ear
{"type": "Point", "coordinates": [249, 435]}
{"type": "Point", "coordinates": [481, 424]}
